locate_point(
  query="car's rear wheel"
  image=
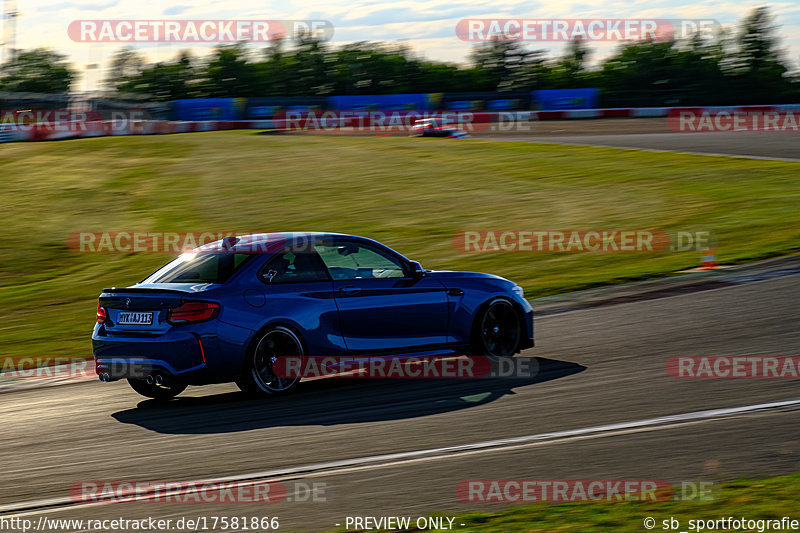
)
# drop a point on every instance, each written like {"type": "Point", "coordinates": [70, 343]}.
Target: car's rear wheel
{"type": "Point", "coordinates": [498, 330]}
{"type": "Point", "coordinates": [259, 378]}
{"type": "Point", "coordinates": [157, 391]}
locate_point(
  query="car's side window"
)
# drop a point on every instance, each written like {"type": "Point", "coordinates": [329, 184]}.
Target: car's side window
{"type": "Point", "coordinates": [356, 261]}
{"type": "Point", "coordinates": [293, 266]}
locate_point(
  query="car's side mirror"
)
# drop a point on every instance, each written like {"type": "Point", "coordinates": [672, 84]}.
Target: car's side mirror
{"type": "Point", "coordinates": [416, 269]}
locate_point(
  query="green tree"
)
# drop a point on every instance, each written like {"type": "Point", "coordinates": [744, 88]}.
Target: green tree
{"type": "Point", "coordinates": [127, 64]}
{"type": "Point", "coordinates": [40, 71]}
{"type": "Point", "coordinates": [700, 70]}
{"type": "Point", "coordinates": [758, 43]}
{"type": "Point", "coordinates": [273, 77]}
{"type": "Point", "coordinates": [758, 67]}
{"type": "Point", "coordinates": [311, 72]}
{"type": "Point", "coordinates": [165, 81]}
{"type": "Point", "coordinates": [228, 73]}
{"type": "Point", "coordinates": [502, 65]}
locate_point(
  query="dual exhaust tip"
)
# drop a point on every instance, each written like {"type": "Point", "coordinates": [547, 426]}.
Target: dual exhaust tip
{"type": "Point", "coordinates": [152, 379]}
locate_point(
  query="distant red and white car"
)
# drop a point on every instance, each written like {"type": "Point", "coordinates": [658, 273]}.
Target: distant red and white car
{"type": "Point", "coordinates": [429, 127]}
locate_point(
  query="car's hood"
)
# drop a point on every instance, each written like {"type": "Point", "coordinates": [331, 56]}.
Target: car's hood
{"type": "Point", "coordinates": [453, 274]}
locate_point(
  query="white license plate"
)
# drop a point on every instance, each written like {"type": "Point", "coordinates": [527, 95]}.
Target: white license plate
{"type": "Point", "coordinates": [135, 318]}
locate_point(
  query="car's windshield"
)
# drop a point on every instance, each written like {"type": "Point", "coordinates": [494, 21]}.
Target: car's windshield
{"type": "Point", "coordinates": [199, 268]}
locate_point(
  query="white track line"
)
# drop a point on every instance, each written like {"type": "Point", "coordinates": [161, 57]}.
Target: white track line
{"type": "Point", "coordinates": [393, 459]}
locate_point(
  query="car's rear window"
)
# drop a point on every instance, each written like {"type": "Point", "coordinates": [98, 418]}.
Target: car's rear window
{"type": "Point", "coordinates": [199, 268]}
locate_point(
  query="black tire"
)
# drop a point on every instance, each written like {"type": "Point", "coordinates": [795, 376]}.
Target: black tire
{"type": "Point", "coordinates": [497, 330]}
{"type": "Point", "coordinates": [258, 379]}
{"type": "Point", "coordinates": [158, 392]}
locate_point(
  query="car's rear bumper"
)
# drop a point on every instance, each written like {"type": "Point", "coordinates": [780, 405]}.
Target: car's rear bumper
{"type": "Point", "coordinates": [209, 354]}
{"type": "Point", "coordinates": [114, 368]}
{"type": "Point", "coordinates": [125, 357]}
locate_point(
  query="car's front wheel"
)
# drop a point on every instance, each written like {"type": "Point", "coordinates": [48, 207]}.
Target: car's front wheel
{"type": "Point", "coordinates": [497, 330]}
{"type": "Point", "coordinates": [158, 391]}
{"type": "Point", "coordinates": [259, 378]}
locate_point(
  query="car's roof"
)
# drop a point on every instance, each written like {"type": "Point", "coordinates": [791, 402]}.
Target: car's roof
{"type": "Point", "coordinates": [269, 242]}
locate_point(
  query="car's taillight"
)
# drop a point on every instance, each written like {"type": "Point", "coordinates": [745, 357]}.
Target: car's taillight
{"type": "Point", "coordinates": [102, 314]}
{"type": "Point", "coordinates": [193, 312]}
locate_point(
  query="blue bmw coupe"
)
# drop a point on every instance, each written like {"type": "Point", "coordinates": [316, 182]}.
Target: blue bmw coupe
{"type": "Point", "coordinates": [228, 310]}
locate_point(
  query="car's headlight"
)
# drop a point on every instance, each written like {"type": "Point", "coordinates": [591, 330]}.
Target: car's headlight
{"type": "Point", "coordinates": [519, 291]}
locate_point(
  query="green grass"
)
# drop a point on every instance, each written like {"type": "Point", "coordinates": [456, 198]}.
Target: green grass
{"type": "Point", "coordinates": [771, 498]}
{"type": "Point", "coordinates": [412, 194]}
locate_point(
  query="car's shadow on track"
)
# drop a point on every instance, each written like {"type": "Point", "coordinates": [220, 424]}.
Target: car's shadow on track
{"type": "Point", "coordinates": [332, 401]}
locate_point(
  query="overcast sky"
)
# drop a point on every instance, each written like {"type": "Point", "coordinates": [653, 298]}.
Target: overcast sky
{"type": "Point", "coordinates": [427, 26]}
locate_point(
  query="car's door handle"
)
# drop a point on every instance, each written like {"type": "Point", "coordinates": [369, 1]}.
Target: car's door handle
{"type": "Point", "coordinates": [350, 290]}
{"type": "Point", "coordinates": [455, 292]}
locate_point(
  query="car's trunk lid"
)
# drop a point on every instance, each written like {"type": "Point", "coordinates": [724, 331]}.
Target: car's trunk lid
{"type": "Point", "coordinates": [143, 309]}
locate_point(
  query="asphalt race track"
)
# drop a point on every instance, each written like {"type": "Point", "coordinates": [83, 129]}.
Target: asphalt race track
{"type": "Point", "coordinates": [640, 133]}
{"type": "Point", "coordinates": [759, 144]}
{"type": "Point", "coordinates": [598, 367]}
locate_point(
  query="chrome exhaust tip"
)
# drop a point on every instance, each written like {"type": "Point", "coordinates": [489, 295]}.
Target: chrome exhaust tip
{"type": "Point", "coordinates": [104, 377]}
{"type": "Point", "coordinates": [158, 379]}
{"type": "Point", "coordinates": [149, 380]}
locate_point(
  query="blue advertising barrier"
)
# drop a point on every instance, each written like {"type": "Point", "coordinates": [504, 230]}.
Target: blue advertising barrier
{"type": "Point", "coordinates": [381, 102]}
{"type": "Point", "coordinates": [486, 101]}
{"type": "Point", "coordinates": [208, 109]}
{"type": "Point", "coordinates": [199, 109]}
{"type": "Point", "coordinates": [266, 107]}
{"type": "Point", "coordinates": [555, 99]}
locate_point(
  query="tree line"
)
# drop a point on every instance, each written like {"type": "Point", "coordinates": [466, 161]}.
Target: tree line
{"type": "Point", "coordinates": [732, 67]}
